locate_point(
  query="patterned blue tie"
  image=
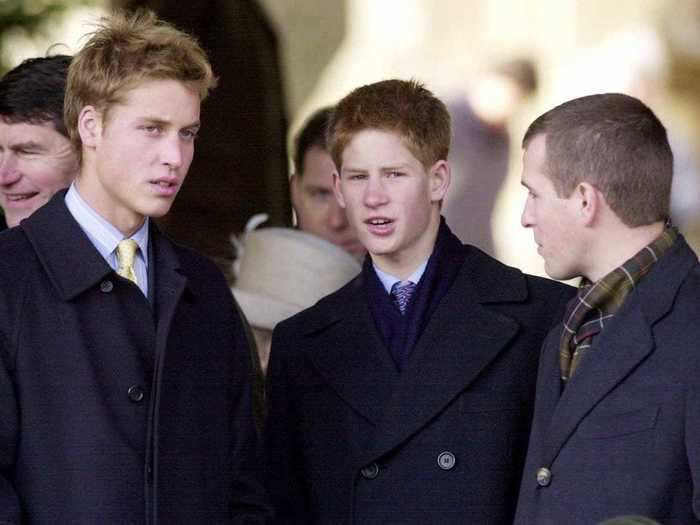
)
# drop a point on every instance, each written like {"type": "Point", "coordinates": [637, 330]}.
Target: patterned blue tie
{"type": "Point", "coordinates": [401, 293]}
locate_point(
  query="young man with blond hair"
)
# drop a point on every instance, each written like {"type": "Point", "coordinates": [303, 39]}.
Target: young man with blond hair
{"type": "Point", "coordinates": [617, 417]}
{"type": "Point", "coordinates": [124, 368]}
{"type": "Point", "coordinates": [405, 397]}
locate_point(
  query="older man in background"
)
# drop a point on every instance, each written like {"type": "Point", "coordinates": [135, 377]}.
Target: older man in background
{"type": "Point", "coordinates": [36, 157]}
{"type": "Point", "coordinates": [316, 208]}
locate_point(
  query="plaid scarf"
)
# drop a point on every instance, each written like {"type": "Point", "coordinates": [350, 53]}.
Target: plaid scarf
{"type": "Point", "coordinates": [596, 303]}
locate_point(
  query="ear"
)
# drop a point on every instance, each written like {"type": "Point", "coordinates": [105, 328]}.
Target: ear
{"type": "Point", "coordinates": [589, 202]}
{"type": "Point", "coordinates": [295, 190]}
{"type": "Point", "coordinates": [439, 180]}
{"type": "Point", "coordinates": [89, 126]}
{"type": "Point", "coordinates": [336, 189]}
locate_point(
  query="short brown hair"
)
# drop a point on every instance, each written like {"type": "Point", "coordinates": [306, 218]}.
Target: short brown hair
{"type": "Point", "coordinates": [127, 49]}
{"type": "Point", "coordinates": [405, 107]}
{"type": "Point", "coordinates": [616, 143]}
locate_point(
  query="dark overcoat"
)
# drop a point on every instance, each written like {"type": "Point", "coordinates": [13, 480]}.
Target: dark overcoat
{"type": "Point", "coordinates": [352, 440]}
{"type": "Point", "coordinates": [114, 409]}
{"type": "Point", "coordinates": [624, 436]}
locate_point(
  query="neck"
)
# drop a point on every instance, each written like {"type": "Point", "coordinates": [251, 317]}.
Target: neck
{"type": "Point", "coordinates": [95, 195]}
{"type": "Point", "coordinates": [618, 245]}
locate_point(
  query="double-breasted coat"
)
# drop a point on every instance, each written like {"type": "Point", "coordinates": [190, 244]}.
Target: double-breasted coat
{"type": "Point", "coordinates": [352, 440]}
{"type": "Point", "coordinates": [623, 438]}
{"type": "Point", "coordinates": [114, 408]}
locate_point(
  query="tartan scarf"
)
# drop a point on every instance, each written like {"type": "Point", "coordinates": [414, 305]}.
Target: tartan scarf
{"type": "Point", "coordinates": [595, 304]}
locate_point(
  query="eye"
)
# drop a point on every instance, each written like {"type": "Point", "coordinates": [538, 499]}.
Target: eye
{"type": "Point", "coordinates": [151, 129]}
{"type": "Point", "coordinates": [188, 134]}
{"type": "Point", "coordinates": [357, 176]}
{"type": "Point", "coordinates": [320, 194]}
{"type": "Point", "coordinates": [394, 174]}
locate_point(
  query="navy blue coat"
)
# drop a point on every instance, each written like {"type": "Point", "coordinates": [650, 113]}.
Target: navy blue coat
{"type": "Point", "coordinates": [113, 410]}
{"type": "Point", "coordinates": [350, 440]}
{"type": "Point", "coordinates": [624, 437]}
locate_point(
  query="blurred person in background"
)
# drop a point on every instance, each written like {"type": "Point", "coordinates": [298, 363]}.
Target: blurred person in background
{"type": "Point", "coordinates": [311, 185]}
{"type": "Point", "coordinates": [480, 147]}
{"type": "Point", "coordinates": [36, 156]}
{"type": "Point", "coordinates": [280, 272]}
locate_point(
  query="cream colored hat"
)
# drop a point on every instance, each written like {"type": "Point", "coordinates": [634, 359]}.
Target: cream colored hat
{"type": "Point", "coordinates": [281, 271]}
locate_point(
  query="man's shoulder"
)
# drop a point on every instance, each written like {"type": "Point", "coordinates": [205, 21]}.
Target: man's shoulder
{"type": "Point", "coordinates": [328, 310]}
{"type": "Point", "coordinates": [16, 253]}
{"type": "Point", "coordinates": [492, 277]}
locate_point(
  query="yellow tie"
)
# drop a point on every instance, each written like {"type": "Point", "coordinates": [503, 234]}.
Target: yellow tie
{"type": "Point", "coordinates": [126, 250]}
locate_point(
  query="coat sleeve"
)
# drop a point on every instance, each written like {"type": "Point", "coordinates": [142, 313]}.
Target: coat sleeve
{"type": "Point", "coordinates": [9, 431]}
{"type": "Point", "coordinates": [284, 466]}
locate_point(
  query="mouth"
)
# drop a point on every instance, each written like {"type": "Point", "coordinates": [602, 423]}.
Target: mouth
{"type": "Point", "coordinates": [165, 187]}
{"type": "Point", "coordinates": [381, 226]}
{"type": "Point", "coordinates": [20, 197]}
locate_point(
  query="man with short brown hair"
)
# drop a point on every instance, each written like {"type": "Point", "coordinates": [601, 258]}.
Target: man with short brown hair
{"type": "Point", "coordinates": [617, 411]}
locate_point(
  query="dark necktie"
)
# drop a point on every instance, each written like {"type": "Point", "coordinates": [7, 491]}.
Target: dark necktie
{"type": "Point", "coordinates": [401, 293]}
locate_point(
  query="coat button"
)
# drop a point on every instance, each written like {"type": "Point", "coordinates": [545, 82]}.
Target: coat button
{"type": "Point", "coordinates": [370, 471]}
{"type": "Point", "coordinates": [106, 286]}
{"type": "Point", "coordinates": [446, 460]}
{"type": "Point", "coordinates": [544, 476]}
{"type": "Point", "coordinates": [135, 394]}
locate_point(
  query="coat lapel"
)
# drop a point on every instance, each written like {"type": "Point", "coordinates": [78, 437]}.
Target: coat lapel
{"type": "Point", "coordinates": [626, 342]}
{"type": "Point", "coordinates": [598, 374]}
{"type": "Point", "coordinates": [351, 355]}
{"type": "Point", "coordinates": [170, 284]}
{"type": "Point", "coordinates": [459, 342]}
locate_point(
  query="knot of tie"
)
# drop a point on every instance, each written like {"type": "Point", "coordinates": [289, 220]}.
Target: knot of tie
{"type": "Point", "coordinates": [126, 251]}
{"type": "Point", "coordinates": [401, 293]}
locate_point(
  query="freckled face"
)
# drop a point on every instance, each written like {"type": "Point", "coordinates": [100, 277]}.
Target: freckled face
{"type": "Point", "coordinates": [392, 201]}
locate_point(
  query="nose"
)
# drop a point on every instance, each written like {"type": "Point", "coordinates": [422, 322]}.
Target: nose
{"type": "Point", "coordinates": [172, 152]}
{"type": "Point", "coordinates": [9, 171]}
{"type": "Point", "coordinates": [375, 194]}
{"type": "Point", "coordinates": [337, 219]}
{"type": "Point", "coordinates": [526, 220]}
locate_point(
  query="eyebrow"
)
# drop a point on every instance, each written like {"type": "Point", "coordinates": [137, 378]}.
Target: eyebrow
{"type": "Point", "coordinates": [353, 170]}
{"type": "Point", "coordinates": [29, 144]}
{"type": "Point", "coordinates": [161, 122]}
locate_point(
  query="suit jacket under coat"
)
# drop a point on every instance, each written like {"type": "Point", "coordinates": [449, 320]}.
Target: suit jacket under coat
{"type": "Point", "coordinates": [624, 437]}
{"type": "Point", "coordinates": [337, 404]}
{"type": "Point", "coordinates": [111, 410]}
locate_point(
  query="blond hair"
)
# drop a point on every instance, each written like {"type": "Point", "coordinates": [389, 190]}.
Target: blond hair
{"type": "Point", "coordinates": [126, 49]}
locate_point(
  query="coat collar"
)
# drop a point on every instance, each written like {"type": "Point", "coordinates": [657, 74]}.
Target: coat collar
{"type": "Point", "coordinates": [625, 342]}
{"type": "Point", "coordinates": [72, 262]}
{"type": "Point", "coordinates": [351, 357]}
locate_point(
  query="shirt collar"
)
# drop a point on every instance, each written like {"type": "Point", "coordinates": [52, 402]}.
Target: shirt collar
{"type": "Point", "coordinates": [102, 233]}
{"type": "Point", "coordinates": [389, 280]}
